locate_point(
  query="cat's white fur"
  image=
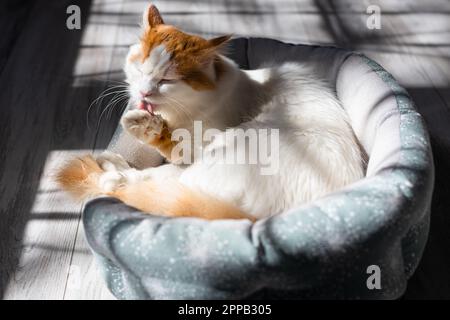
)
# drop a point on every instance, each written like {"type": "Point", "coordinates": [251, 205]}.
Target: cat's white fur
{"type": "Point", "coordinates": [318, 151]}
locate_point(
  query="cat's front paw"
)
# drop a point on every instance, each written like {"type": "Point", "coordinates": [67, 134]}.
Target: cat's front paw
{"type": "Point", "coordinates": [143, 125]}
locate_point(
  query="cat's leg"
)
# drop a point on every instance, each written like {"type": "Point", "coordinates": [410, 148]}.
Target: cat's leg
{"type": "Point", "coordinates": [83, 177]}
{"type": "Point", "coordinates": [111, 164]}
{"type": "Point", "coordinates": [113, 179]}
{"type": "Point", "coordinates": [151, 129]}
{"type": "Point", "coordinates": [118, 172]}
{"type": "Point", "coordinates": [110, 161]}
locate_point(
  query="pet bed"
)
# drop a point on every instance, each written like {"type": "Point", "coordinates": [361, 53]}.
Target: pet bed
{"type": "Point", "coordinates": [336, 247]}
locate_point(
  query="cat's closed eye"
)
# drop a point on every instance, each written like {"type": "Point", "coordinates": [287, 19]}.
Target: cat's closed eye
{"type": "Point", "coordinates": [166, 81]}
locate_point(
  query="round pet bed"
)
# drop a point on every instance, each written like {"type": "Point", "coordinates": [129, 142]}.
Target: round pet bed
{"type": "Point", "coordinates": [362, 242]}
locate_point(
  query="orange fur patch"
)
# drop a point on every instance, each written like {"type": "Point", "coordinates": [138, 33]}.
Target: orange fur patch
{"type": "Point", "coordinates": [191, 54]}
{"type": "Point", "coordinates": [164, 143]}
{"type": "Point", "coordinates": [134, 57]}
{"type": "Point", "coordinates": [176, 200]}
{"type": "Point", "coordinates": [79, 177]}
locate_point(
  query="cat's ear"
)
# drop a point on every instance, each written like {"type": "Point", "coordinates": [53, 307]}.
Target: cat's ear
{"type": "Point", "coordinates": [151, 17]}
{"type": "Point", "coordinates": [213, 46]}
{"type": "Point", "coordinates": [218, 42]}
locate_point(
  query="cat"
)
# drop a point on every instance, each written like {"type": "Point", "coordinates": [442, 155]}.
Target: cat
{"type": "Point", "coordinates": [175, 78]}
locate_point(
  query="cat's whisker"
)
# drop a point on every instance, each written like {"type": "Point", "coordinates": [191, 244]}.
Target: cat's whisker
{"type": "Point", "coordinates": [122, 108]}
{"type": "Point", "coordinates": [182, 105]}
{"type": "Point", "coordinates": [182, 108]}
{"type": "Point", "coordinates": [108, 89]}
{"type": "Point", "coordinates": [181, 112]}
{"type": "Point", "coordinates": [111, 103]}
{"type": "Point", "coordinates": [106, 80]}
{"type": "Point", "coordinates": [186, 111]}
{"type": "Point", "coordinates": [100, 98]}
{"type": "Point", "coordinates": [117, 103]}
{"type": "Point", "coordinates": [115, 100]}
{"type": "Point", "coordinates": [117, 81]}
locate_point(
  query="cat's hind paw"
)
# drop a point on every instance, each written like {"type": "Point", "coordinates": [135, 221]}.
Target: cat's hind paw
{"type": "Point", "coordinates": [143, 125]}
{"type": "Point", "coordinates": [110, 161]}
{"type": "Point", "coordinates": [110, 181]}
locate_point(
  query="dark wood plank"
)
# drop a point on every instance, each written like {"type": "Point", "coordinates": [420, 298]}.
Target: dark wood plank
{"type": "Point", "coordinates": [35, 80]}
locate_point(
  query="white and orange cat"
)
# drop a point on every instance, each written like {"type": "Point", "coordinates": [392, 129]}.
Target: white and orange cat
{"type": "Point", "coordinates": [175, 78]}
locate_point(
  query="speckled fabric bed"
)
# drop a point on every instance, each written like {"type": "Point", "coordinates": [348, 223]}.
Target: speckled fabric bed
{"type": "Point", "coordinates": [320, 250]}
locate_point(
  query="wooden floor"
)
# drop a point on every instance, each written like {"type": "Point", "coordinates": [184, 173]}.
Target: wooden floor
{"type": "Point", "coordinates": [49, 76]}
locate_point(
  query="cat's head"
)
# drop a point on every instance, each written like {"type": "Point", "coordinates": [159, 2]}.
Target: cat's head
{"type": "Point", "coordinates": [168, 65]}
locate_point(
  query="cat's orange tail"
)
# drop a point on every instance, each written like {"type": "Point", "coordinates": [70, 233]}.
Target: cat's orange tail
{"type": "Point", "coordinates": [80, 178]}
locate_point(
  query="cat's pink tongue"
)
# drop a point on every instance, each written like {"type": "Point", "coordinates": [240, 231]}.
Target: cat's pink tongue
{"type": "Point", "coordinates": [145, 106]}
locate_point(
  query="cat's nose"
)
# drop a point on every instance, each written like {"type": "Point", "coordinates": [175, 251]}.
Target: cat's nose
{"type": "Point", "coordinates": [145, 94]}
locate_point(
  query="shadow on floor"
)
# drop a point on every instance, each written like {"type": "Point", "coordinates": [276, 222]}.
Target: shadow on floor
{"type": "Point", "coordinates": [432, 278]}
{"type": "Point", "coordinates": [36, 65]}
